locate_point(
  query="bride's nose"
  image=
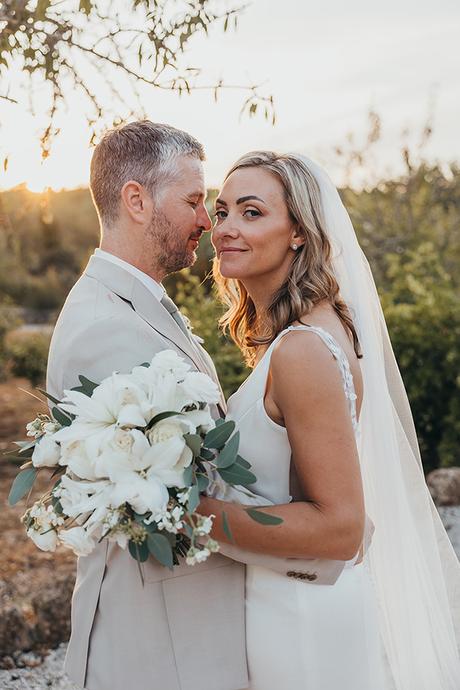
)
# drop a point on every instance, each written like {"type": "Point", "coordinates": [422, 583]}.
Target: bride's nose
{"type": "Point", "coordinates": [226, 228]}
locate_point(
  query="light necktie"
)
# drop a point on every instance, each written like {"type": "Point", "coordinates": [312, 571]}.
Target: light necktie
{"type": "Point", "coordinates": [171, 307]}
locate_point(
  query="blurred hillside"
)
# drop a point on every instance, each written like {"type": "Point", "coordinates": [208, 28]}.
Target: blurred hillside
{"type": "Point", "coordinates": [408, 228]}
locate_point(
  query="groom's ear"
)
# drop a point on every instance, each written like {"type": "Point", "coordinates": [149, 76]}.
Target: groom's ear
{"type": "Point", "coordinates": [136, 202]}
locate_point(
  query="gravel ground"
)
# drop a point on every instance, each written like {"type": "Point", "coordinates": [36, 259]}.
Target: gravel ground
{"type": "Point", "coordinates": [49, 674]}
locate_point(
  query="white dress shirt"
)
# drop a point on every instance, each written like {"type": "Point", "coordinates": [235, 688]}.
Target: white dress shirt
{"type": "Point", "coordinates": [155, 288]}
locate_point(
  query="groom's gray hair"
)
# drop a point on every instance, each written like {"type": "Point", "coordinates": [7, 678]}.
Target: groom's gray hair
{"type": "Point", "coordinates": [143, 151]}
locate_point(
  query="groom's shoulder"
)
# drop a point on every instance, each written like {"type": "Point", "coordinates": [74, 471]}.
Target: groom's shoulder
{"type": "Point", "coordinates": [94, 300]}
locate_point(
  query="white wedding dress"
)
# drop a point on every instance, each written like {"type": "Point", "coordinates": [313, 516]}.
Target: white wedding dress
{"type": "Point", "coordinates": [300, 635]}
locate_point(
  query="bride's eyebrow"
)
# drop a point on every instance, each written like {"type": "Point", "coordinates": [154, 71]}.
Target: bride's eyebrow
{"type": "Point", "coordinates": [241, 200]}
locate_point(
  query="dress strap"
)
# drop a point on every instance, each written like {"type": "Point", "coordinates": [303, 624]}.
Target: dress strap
{"type": "Point", "coordinates": [341, 359]}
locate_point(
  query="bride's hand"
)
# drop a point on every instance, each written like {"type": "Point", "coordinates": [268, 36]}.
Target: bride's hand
{"type": "Point", "coordinates": [209, 506]}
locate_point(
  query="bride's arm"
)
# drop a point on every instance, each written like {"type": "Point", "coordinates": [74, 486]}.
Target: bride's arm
{"type": "Point", "coordinates": [306, 388]}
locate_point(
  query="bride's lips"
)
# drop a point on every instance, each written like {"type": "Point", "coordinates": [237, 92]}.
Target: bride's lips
{"type": "Point", "coordinates": [230, 250]}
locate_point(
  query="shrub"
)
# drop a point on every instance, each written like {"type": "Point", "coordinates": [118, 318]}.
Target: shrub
{"type": "Point", "coordinates": [27, 354]}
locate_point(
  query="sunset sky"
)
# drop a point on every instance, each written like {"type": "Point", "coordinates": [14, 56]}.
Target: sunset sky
{"type": "Point", "coordinates": [326, 64]}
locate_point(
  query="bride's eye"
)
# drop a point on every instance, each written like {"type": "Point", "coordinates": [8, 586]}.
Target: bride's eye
{"type": "Point", "coordinates": [220, 214]}
{"type": "Point", "coordinates": [253, 213]}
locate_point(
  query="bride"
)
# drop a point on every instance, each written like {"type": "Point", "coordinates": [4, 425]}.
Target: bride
{"type": "Point", "coordinates": [324, 420]}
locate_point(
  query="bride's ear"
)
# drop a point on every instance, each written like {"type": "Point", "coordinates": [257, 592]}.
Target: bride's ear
{"type": "Point", "coordinates": [297, 239]}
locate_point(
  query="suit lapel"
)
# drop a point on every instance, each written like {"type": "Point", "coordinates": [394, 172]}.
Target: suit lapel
{"type": "Point", "coordinates": [129, 288]}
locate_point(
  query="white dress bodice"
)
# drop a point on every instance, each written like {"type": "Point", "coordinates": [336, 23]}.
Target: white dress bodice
{"type": "Point", "coordinates": [264, 442]}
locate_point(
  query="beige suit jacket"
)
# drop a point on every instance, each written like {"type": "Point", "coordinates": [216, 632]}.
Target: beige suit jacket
{"type": "Point", "coordinates": [182, 630]}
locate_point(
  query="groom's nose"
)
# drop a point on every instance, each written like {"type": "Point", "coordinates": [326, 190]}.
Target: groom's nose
{"type": "Point", "coordinates": [203, 220]}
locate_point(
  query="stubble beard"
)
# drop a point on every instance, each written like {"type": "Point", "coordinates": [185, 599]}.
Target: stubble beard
{"type": "Point", "coordinates": [170, 250]}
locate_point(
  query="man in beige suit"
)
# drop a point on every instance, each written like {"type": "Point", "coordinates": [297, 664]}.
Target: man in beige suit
{"type": "Point", "coordinates": [181, 630]}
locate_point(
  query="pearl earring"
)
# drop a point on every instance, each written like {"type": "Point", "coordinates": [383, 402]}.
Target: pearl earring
{"type": "Point", "coordinates": [294, 246]}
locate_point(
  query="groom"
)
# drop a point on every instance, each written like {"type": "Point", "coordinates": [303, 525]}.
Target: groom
{"type": "Point", "coordinates": [182, 630]}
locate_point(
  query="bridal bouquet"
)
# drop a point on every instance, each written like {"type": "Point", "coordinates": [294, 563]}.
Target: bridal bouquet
{"type": "Point", "coordinates": [128, 460]}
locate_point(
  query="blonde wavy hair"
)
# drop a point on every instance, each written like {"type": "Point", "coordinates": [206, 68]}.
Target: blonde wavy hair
{"type": "Point", "coordinates": [311, 277]}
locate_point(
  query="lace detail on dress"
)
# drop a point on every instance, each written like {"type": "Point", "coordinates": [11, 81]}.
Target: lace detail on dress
{"type": "Point", "coordinates": [344, 366]}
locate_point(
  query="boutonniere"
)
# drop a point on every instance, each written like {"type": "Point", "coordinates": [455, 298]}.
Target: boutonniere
{"type": "Point", "coordinates": [189, 327]}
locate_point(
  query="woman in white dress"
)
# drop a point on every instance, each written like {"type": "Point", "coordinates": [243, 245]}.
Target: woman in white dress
{"type": "Point", "coordinates": [325, 399]}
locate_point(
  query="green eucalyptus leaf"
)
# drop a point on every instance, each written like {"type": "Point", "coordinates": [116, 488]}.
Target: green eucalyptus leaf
{"type": "Point", "coordinates": [236, 474]}
{"type": "Point", "coordinates": [138, 551]}
{"type": "Point", "coordinates": [206, 454]}
{"type": "Point", "coordinates": [86, 386]}
{"type": "Point", "coordinates": [188, 475]}
{"type": "Point", "coordinates": [50, 397]}
{"type": "Point", "coordinates": [227, 455]}
{"type": "Point", "coordinates": [194, 499]}
{"type": "Point", "coordinates": [194, 443]}
{"type": "Point", "coordinates": [216, 438]}
{"type": "Point", "coordinates": [60, 417]}
{"type": "Point", "coordinates": [226, 526]}
{"type": "Point", "coordinates": [160, 417]}
{"type": "Point", "coordinates": [203, 482]}
{"type": "Point", "coordinates": [264, 518]}
{"type": "Point", "coordinates": [160, 548]}
{"type": "Point", "coordinates": [244, 463]}
{"type": "Point", "coordinates": [22, 484]}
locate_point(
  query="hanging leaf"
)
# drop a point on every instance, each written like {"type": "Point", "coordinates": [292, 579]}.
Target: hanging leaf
{"type": "Point", "coordinates": [263, 518]}
{"type": "Point", "coordinates": [160, 548]}
{"type": "Point", "coordinates": [22, 485]}
{"type": "Point", "coordinates": [226, 527]}
{"type": "Point", "coordinates": [139, 551]}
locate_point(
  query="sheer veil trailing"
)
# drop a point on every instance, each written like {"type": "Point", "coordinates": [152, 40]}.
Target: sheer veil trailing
{"type": "Point", "coordinates": [413, 566]}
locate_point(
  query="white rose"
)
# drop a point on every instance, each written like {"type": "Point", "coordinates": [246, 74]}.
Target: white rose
{"type": "Point", "coordinates": [200, 387]}
{"type": "Point", "coordinates": [46, 452]}
{"type": "Point", "coordinates": [164, 431]}
{"type": "Point", "coordinates": [200, 419]}
{"type": "Point", "coordinates": [77, 539]}
{"type": "Point", "coordinates": [169, 361]}
{"type": "Point", "coordinates": [74, 455]}
{"type": "Point", "coordinates": [45, 542]}
{"type": "Point", "coordinates": [168, 458]}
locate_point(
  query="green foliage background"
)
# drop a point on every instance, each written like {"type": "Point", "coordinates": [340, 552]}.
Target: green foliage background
{"type": "Point", "coordinates": [408, 228]}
